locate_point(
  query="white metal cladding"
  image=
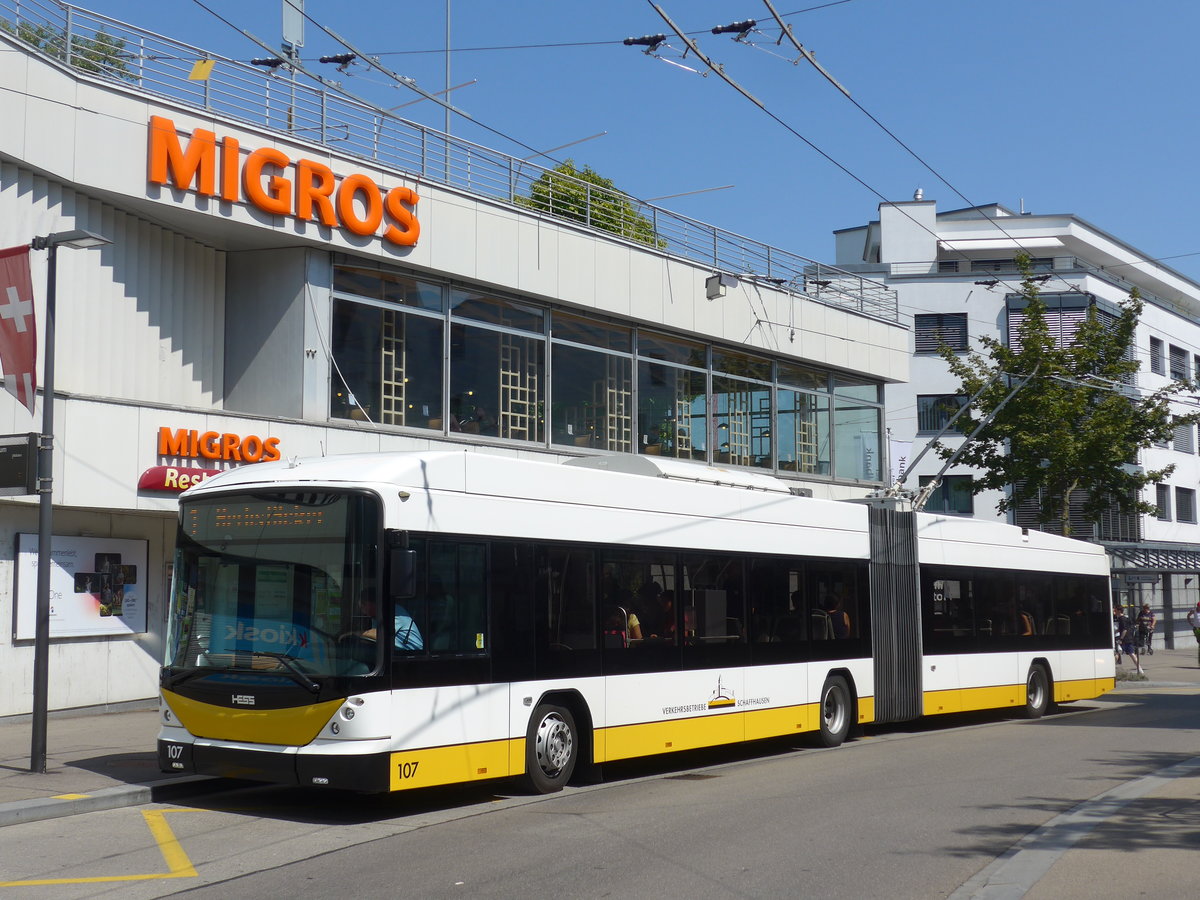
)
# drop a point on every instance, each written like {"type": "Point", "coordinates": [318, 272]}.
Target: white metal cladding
{"type": "Point", "coordinates": [141, 319]}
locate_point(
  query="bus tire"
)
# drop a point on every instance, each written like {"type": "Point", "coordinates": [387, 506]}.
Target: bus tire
{"type": "Point", "coordinates": [835, 712]}
{"type": "Point", "coordinates": [551, 748]}
{"type": "Point", "coordinates": [1037, 692]}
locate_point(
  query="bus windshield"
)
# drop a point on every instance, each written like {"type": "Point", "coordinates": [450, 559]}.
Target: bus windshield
{"type": "Point", "coordinates": [280, 582]}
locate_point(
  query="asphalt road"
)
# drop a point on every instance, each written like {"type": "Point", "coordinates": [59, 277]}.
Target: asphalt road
{"type": "Point", "coordinates": [907, 812]}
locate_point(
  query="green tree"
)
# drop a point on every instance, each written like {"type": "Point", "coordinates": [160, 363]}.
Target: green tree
{"type": "Point", "coordinates": [583, 195]}
{"type": "Point", "coordinates": [1076, 427]}
{"type": "Point", "coordinates": [102, 53]}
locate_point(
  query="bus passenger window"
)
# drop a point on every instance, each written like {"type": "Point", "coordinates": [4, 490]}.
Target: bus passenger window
{"type": "Point", "coordinates": [456, 598]}
{"type": "Point", "coordinates": [571, 599]}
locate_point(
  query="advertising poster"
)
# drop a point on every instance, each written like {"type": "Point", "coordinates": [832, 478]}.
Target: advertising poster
{"type": "Point", "coordinates": [97, 586]}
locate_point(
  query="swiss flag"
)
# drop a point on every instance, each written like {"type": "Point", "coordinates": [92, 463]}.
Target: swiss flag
{"type": "Point", "coordinates": [18, 333]}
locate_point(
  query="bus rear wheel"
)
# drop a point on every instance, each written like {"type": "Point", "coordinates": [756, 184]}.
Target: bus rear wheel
{"type": "Point", "coordinates": [1037, 692]}
{"type": "Point", "coordinates": [835, 712]}
{"type": "Point", "coordinates": [551, 748]}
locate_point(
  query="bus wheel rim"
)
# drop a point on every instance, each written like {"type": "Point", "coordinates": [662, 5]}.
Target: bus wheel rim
{"type": "Point", "coordinates": [833, 710]}
{"type": "Point", "coordinates": [553, 744]}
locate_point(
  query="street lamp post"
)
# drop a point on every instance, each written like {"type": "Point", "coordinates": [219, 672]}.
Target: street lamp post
{"type": "Point", "coordinates": [41, 636]}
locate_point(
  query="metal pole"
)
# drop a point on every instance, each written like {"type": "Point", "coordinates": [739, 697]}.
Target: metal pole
{"type": "Point", "coordinates": [41, 637]}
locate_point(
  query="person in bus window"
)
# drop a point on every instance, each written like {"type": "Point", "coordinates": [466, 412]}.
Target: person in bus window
{"type": "Point", "coordinates": [648, 610]}
{"type": "Point", "coordinates": [408, 635]}
{"type": "Point", "coordinates": [839, 619]}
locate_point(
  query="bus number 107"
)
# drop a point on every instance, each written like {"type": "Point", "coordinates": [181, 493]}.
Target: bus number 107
{"type": "Point", "coordinates": [407, 770]}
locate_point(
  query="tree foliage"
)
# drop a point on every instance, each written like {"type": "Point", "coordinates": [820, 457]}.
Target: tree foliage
{"type": "Point", "coordinates": [102, 53]}
{"type": "Point", "coordinates": [583, 195]}
{"type": "Point", "coordinates": [1076, 427]}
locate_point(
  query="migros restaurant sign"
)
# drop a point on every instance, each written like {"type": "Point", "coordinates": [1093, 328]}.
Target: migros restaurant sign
{"type": "Point", "coordinates": [273, 182]}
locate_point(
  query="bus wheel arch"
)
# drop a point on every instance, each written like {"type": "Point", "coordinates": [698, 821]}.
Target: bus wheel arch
{"type": "Point", "coordinates": [837, 709]}
{"type": "Point", "coordinates": [557, 739]}
{"type": "Point", "coordinates": [1039, 689]}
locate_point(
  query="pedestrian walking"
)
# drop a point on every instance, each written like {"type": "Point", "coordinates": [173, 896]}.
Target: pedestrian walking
{"type": "Point", "coordinates": [1146, 620]}
{"type": "Point", "coordinates": [1124, 635]}
{"type": "Point", "coordinates": [1193, 619]}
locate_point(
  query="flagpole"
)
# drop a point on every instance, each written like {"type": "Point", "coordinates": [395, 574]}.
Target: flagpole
{"type": "Point", "coordinates": [41, 634]}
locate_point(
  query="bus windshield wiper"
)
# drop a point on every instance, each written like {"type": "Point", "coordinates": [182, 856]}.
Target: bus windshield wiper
{"type": "Point", "coordinates": [294, 671]}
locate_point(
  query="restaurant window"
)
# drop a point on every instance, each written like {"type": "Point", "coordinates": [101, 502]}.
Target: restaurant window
{"type": "Point", "coordinates": [592, 386]}
{"type": "Point", "coordinates": [742, 416]}
{"type": "Point", "coordinates": [387, 365]}
{"type": "Point", "coordinates": [672, 398]}
{"type": "Point", "coordinates": [857, 450]}
{"type": "Point", "coordinates": [801, 432]}
{"type": "Point", "coordinates": [497, 373]}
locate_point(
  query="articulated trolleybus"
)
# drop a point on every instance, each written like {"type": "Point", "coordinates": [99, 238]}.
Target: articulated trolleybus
{"type": "Point", "coordinates": [400, 620]}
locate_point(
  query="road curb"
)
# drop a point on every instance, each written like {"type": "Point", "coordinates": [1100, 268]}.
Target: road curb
{"type": "Point", "coordinates": [124, 795]}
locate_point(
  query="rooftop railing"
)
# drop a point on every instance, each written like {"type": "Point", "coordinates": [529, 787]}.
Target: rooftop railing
{"type": "Point", "coordinates": [283, 100]}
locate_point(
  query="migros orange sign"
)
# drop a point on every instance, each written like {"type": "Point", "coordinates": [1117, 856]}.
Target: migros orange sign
{"type": "Point", "coordinates": [193, 444]}
{"type": "Point", "coordinates": [215, 167]}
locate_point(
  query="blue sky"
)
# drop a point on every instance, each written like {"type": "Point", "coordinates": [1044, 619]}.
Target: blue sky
{"type": "Point", "coordinates": [1066, 106]}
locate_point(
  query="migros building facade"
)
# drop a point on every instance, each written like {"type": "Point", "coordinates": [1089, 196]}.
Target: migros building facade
{"type": "Point", "coordinates": [267, 295]}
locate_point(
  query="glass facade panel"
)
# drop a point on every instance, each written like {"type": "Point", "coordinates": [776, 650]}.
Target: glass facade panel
{"type": "Point", "coordinates": [803, 377]}
{"type": "Point", "coordinates": [387, 366]}
{"type": "Point", "coordinates": [858, 448]}
{"type": "Point", "coordinates": [741, 364]}
{"type": "Point", "coordinates": [588, 331]}
{"type": "Point", "coordinates": [420, 354]}
{"type": "Point", "coordinates": [742, 420]}
{"type": "Point", "coordinates": [670, 349]}
{"type": "Point", "coordinates": [496, 383]}
{"type": "Point", "coordinates": [858, 388]}
{"type": "Point", "coordinates": [410, 292]}
{"type": "Point", "coordinates": [672, 412]}
{"type": "Point", "coordinates": [496, 311]}
{"type": "Point", "coordinates": [593, 399]}
{"type": "Point", "coordinates": [802, 433]}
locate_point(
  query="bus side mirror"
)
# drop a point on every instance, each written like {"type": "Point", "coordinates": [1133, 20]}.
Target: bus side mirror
{"type": "Point", "coordinates": [402, 573]}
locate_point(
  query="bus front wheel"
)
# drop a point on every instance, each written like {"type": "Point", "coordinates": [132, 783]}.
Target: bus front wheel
{"type": "Point", "coordinates": [1037, 692]}
{"type": "Point", "coordinates": [835, 712]}
{"type": "Point", "coordinates": [551, 748]}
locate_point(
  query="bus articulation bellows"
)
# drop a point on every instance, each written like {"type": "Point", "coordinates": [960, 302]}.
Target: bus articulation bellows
{"type": "Point", "coordinates": [389, 621]}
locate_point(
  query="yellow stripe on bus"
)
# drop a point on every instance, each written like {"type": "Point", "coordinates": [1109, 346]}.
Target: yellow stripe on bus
{"type": "Point", "coordinates": [1083, 689]}
{"type": "Point", "coordinates": [456, 764]}
{"type": "Point", "coordinates": [1010, 695]}
{"type": "Point", "coordinates": [291, 727]}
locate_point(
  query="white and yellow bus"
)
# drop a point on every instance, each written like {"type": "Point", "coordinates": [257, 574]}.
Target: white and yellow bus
{"type": "Point", "coordinates": [401, 620]}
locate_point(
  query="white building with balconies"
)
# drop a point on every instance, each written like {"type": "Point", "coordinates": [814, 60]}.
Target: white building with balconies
{"type": "Point", "coordinates": [957, 280]}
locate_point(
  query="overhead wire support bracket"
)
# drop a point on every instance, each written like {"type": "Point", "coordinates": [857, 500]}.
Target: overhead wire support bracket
{"type": "Point", "coordinates": [652, 43]}
{"type": "Point", "coordinates": [715, 67]}
{"type": "Point", "coordinates": [786, 31]}
{"type": "Point", "coordinates": [405, 80]}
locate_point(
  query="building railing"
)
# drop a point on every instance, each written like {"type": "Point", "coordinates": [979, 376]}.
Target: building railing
{"type": "Point", "coordinates": [288, 102]}
{"type": "Point", "coordinates": [1009, 269]}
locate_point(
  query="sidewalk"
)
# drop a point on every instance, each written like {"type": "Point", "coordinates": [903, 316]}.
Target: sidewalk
{"type": "Point", "coordinates": [101, 760]}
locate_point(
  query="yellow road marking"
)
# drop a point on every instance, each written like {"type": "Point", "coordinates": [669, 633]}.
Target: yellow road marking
{"type": "Point", "coordinates": [177, 861]}
{"type": "Point", "coordinates": [70, 796]}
